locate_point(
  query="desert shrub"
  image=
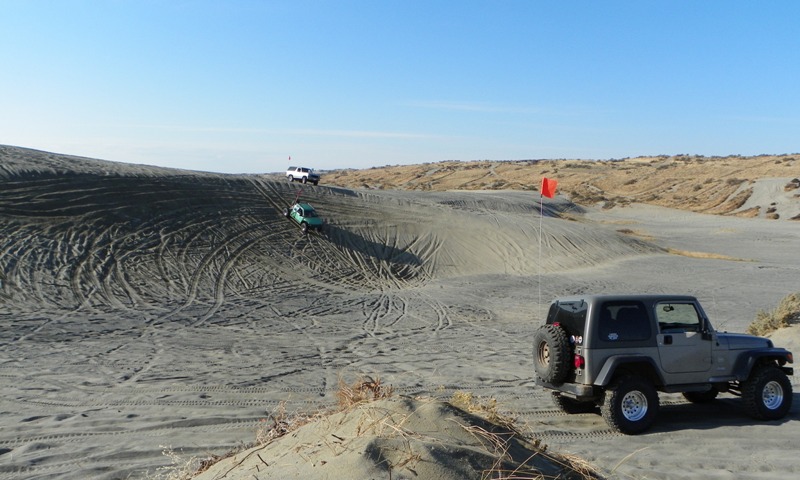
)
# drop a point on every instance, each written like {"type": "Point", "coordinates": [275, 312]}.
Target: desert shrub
{"type": "Point", "coordinates": [365, 389]}
{"type": "Point", "coordinates": [785, 314]}
{"type": "Point", "coordinates": [281, 422]}
{"type": "Point", "coordinates": [485, 408]}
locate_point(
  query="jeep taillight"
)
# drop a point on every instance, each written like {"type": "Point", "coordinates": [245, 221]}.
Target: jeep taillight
{"type": "Point", "coordinates": [579, 362]}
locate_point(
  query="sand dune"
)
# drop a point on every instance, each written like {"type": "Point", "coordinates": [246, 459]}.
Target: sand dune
{"type": "Point", "coordinates": [146, 307]}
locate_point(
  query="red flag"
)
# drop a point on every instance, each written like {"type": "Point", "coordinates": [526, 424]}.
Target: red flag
{"type": "Point", "coordinates": [549, 187]}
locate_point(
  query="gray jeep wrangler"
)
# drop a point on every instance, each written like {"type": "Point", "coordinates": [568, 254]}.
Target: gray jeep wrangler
{"type": "Point", "coordinates": [616, 352]}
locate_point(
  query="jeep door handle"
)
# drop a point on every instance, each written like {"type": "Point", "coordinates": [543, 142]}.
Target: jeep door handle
{"type": "Point", "coordinates": [667, 339]}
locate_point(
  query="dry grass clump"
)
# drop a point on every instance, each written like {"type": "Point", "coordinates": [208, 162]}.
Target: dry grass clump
{"type": "Point", "coordinates": [365, 389]}
{"type": "Point", "coordinates": [634, 233]}
{"type": "Point", "coordinates": [486, 408]}
{"type": "Point", "coordinates": [182, 468]}
{"type": "Point", "coordinates": [707, 255]}
{"type": "Point", "coordinates": [785, 314]}
{"type": "Point", "coordinates": [501, 443]}
{"type": "Point", "coordinates": [280, 423]}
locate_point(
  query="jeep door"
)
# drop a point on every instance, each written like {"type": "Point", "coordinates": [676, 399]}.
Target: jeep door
{"type": "Point", "coordinates": [681, 343]}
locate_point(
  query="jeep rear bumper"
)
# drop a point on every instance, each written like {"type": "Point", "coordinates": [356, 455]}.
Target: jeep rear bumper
{"type": "Point", "coordinates": [577, 390]}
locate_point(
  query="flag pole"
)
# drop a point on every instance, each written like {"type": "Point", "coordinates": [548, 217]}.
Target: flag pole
{"type": "Point", "coordinates": [539, 274]}
{"type": "Point", "coordinates": [548, 190]}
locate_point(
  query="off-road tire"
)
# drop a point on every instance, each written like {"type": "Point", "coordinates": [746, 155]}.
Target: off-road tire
{"type": "Point", "coordinates": [767, 393]}
{"type": "Point", "coordinates": [701, 397]}
{"type": "Point", "coordinates": [291, 178]}
{"type": "Point", "coordinates": [304, 228]}
{"type": "Point", "coordinates": [572, 406]}
{"type": "Point", "coordinates": [316, 183]}
{"type": "Point", "coordinates": [304, 180]}
{"type": "Point", "coordinates": [551, 353]}
{"type": "Point", "coordinates": [630, 405]}
{"type": "Point", "coordinates": [286, 212]}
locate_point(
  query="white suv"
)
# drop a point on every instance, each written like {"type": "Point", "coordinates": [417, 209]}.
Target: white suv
{"type": "Point", "coordinates": [302, 174]}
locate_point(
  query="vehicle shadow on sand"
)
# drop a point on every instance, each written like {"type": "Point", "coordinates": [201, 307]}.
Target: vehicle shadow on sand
{"type": "Point", "coordinates": [723, 412]}
{"type": "Point", "coordinates": [379, 251]}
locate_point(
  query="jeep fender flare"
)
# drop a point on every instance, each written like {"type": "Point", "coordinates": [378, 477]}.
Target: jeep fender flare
{"type": "Point", "coordinates": [614, 363]}
{"type": "Point", "coordinates": [749, 359]}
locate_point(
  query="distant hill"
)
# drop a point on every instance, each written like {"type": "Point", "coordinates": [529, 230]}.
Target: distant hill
{"type": "Point", "coordinates": [716, 185]}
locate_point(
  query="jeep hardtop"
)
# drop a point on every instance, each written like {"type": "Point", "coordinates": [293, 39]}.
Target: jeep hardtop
{"type": "Point", "coordinates": [616, 352]}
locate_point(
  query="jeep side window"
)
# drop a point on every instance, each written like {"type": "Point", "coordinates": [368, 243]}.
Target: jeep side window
{"type": "Point", "coordinates": [677, 317]}
{"type": "Point", "coordinates": [623, 321]}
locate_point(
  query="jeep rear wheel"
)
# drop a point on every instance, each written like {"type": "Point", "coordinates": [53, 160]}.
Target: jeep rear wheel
{"type": "Point", "coordinates": [304, 228]}
{"type": "Point", "coordinates": [630, 405]}
{"type": "Point", "coordinates": [551, 353]}
{"type": "Point", "coordinates": [767, 394]}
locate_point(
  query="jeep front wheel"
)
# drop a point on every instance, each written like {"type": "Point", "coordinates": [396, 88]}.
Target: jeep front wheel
{"type": "Point", "coordinates": [767, 394]}
{"type": "Point", "coordinates": [551, 353]}
{"type": "Point", "coordinates": [630, 405]}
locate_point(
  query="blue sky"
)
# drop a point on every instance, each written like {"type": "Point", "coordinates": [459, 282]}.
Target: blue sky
{"type": "Point", "coordinates": [239, 86]}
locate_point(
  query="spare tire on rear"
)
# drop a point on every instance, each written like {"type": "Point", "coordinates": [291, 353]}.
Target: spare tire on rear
{"type": "Point", "coordinates": [551, 353]}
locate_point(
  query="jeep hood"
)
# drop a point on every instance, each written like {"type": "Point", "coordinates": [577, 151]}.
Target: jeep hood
{"type": "Point", "coordinates": [741, 341]}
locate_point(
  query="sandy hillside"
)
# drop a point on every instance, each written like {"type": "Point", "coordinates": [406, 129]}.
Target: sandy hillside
{"type": "Point", "coordinates": [146, 307]}
{"type": "Point", "coordinates": [765, 186]}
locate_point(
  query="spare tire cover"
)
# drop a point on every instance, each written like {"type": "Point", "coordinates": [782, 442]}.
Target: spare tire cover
{"type": "Point", "coordinates": [551, 353]}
